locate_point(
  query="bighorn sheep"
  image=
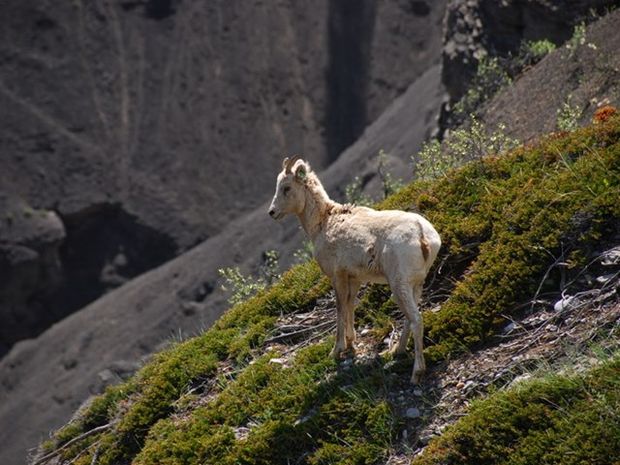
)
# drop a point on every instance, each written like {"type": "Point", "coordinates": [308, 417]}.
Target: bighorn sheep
{"type": "Point", "coordinates": [355, 245]}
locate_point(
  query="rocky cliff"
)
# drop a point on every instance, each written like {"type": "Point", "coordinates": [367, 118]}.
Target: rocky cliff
{"type": "Point", "coordinates": [147, 126]}
{"type": "Point", "coordinates": [29, 266]}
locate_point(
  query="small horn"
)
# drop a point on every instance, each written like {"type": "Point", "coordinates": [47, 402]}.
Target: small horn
{"type": "Point", "coordinates": [288, 163]}
{"type": "Point", "coordinates": [284, 163]}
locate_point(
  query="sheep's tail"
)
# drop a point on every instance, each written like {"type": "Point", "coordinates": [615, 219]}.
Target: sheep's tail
{"type": "Point", "coordinates": [424, 245]}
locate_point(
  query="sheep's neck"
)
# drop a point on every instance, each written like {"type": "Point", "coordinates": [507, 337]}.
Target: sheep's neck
{"type": "Point", "coordinates": [314, 214]}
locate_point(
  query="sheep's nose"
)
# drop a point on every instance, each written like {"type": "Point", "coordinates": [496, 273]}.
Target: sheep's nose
{"type": "Point", "coordinates": [272, 212]}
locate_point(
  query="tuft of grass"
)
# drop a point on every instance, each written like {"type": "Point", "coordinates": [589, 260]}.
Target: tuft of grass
{"type": "Point", "coordinates": [567, 116]}
{"type": "Point", "coordinates": [577, 39]}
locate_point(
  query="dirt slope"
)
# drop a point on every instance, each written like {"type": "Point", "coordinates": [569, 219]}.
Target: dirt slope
{"type": "Point", "coordinates": [586, 77]}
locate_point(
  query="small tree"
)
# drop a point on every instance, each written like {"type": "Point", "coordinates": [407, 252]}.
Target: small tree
{"type": "Point", "coordinates": [242, 287]}
{"type": "Point", "coordinates": [461, 146]}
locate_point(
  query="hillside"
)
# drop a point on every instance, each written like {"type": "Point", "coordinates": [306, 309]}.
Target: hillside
{"type": "Point", "coordinates": [522, 231]}
{"type": "Point", "coordinates": [44, 380]}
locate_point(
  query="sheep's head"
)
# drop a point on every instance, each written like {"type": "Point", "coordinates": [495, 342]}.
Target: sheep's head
{"type": "Point", "coordinates": [290, 196]}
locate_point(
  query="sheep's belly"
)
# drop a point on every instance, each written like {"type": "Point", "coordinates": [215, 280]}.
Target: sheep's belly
{"type": "Point", "coordinates": [365, 275]}
{"type": "Point", "coordinates": [376, 279]}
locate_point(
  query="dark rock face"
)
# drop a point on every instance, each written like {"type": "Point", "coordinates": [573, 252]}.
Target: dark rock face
{"type": "Point", "coordinates": [52, 266]}
{"type": "Point", "coordinates": [42, 381]}
{"type": "Point", "coordinates": [104, 248]}
{"type": "Point", "coordinates": [349, 35]}
{"type": "Point", "coordinates": [148, 125]}
{"type": "Point", "coordinates": [166, 106]}
{"type": "Point", "coordinates": [29, 268]}
{"type": "Point", "coordinates": [474, 28]}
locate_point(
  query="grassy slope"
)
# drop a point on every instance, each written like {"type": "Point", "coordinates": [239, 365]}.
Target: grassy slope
{"type": "Point", "coordinates": [558, 419]}
{"type": "Point", "coordinates": [502, 221]}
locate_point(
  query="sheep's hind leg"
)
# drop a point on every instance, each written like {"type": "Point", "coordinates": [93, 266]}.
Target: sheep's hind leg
{"type": "Point", "coordinates": [401, 347]}
{"type": "Point", "coordinates": [404, 296]}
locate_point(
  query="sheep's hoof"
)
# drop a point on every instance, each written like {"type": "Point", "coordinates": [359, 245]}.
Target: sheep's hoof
{"type": "Point", "coordinates": [416, 377]}
{"type": "Point", "coordinates": [397, 350]}
{"type": "Point", "coordinates": [336, 353]}
{"type": "Point", "coordinates": [342, 353]}
{"type": "Point", "coordinates": [393, 352]}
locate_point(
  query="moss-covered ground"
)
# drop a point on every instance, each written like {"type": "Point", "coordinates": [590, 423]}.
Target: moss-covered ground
{"type": "Point", "coordinates": [568, 419]}
{"type": "Point", "coordinates": [505, 221]}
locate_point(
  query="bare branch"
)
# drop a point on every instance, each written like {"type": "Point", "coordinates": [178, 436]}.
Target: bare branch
{"type": "Point", "coordinates": [54, 453]}
{"type": "Point", "coordinates": [297, 333]}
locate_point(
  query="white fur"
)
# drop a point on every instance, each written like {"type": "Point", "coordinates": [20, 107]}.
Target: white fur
{"type": "Point", "coordinates": [354, 245]}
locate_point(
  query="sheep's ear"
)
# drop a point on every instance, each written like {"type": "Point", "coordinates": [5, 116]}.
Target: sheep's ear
{"type": "Point", "coordinates": [300, 172]}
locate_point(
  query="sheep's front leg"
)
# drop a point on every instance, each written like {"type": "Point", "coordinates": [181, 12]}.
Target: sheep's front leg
{"type": "Point", "coordinates": [345, 334]}
{"type": "Point", "coordinates": [349, 314]}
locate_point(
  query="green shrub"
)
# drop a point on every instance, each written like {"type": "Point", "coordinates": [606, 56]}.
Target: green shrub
{"type": "Point", "coordinates": [243, 287]}
{"type": "Point", "coordinates": [389, 183]}
{"type": "Point", "coordinates": [466, 144]}
{"type": "Point", "coordinates": [490, 77]}
{"type": "Point", "coordinates": [534, 51]}
{"type": "Point", "coordinates": [354, 193]}
{"type": "Point", "coordinates": [567, 116]}
{"type": "Point", "coordinates": [305, 252]}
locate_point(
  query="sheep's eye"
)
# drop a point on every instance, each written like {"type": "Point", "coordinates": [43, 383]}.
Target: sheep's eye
{"type": "Point", "coordinates": [286, 190]}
